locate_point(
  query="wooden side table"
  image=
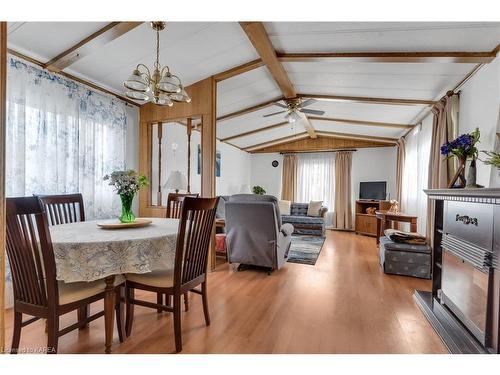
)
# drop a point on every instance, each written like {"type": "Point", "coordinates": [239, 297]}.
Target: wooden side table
{"type": "Point", "coordinates": [384, 218]}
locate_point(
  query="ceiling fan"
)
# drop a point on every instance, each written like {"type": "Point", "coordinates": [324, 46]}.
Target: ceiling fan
{"type": "Point", "coordinates": [293, 107]}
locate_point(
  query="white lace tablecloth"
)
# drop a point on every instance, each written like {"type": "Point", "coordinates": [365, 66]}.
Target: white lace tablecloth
{"type": "Point", "coordinates": [85, 252]}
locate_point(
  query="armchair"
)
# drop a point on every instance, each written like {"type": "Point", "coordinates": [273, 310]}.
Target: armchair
{"type": "Point", "coordinates": [255, 234]}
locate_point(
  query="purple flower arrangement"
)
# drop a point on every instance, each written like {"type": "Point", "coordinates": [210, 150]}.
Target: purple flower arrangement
{"type": "Point", "coordinates": [463, 147]}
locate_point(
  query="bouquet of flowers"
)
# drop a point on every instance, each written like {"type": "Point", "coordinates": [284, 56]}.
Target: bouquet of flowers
{"type": "Point", "coordinates": [126, 184]}
{"type": "Point", "coordinates": [464, 147]}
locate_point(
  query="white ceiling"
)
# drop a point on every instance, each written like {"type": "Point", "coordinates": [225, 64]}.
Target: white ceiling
{"type": "Point", "coordinates": [197, 50]}
{"type": "Point", "coordinates": [382, 36]}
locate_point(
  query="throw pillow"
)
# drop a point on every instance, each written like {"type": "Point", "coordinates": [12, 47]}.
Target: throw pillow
{"type": "Point", "coordinates": [284, 207]}
{"type": "Point", "coordinates": [314, 207]}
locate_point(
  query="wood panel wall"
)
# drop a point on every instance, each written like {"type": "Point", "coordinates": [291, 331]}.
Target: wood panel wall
{"type": "Point", "coordinates": [3, 99]}
{"type": "Point", "coordinates": [203, 104]}
{"type": "Point", "coordinates": [321, 144]}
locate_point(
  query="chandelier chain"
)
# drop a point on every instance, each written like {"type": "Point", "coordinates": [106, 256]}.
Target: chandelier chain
{"type": "Point", "coordinates": [157, 63]}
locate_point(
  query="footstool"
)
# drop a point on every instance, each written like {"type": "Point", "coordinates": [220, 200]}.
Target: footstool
{"type": "Point", "coordinates": [405, 259]}
{"type": "Point", "coordinates": [220, 244]}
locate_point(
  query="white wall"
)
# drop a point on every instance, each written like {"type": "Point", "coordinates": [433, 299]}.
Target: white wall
{"type": "Point", "coordinates": [374, 164]}
{"type": "Point", "coordinates": [235, 171]}
{"type": "Point", "coordinates": [480, 107]}
{"type": "Point", "coordinates": [265, 175]}
{"type": "Point", "coordinates": [370, 164]}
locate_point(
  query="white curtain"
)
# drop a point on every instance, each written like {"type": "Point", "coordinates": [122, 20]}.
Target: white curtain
{"type": "Point", "coordinates": [316, 178]}
{"type": "Point", "coordinates": [415, 173]}
{"type": "Point", "coordinates": [62, 138]}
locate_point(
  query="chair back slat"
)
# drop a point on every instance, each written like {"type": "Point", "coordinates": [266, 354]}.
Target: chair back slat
{"type": "Point", "coordinates": [63, 208]}
{"type": "Point", "coordinates": [174, 204]}
{"type": "Point", "coordinates": [29, 250]}
{"type": "Point", "coordinates": [193, 239]}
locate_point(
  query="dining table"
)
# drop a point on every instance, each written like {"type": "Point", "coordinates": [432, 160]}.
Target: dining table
{"type": "Point", "coordinates": [85, 252]}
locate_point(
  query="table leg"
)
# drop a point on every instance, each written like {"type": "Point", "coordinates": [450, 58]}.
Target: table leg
{"type": "Point", "coordinates": [413, 226]}
{"type": "Point", "coordinates": [379, 229]}
{"type": "Point", "coordinates": [109, 311]}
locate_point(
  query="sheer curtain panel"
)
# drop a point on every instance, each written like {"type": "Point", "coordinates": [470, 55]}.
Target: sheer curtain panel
{"type": "Point", "coordinates": [316, 178]}
{"type": "Point", "coordinates": [62, 138]}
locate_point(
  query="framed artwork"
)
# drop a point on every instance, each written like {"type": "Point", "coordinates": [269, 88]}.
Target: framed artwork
{"type": "Point", "coordinates": [217, 161]}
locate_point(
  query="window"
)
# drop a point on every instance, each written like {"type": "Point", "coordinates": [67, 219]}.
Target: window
{"type": "Point", "coordinates": [62, 138]}
{"type": "Point", "coordinates": [416, 171]}
{"type": "Point", "coordinates": [316, 178]}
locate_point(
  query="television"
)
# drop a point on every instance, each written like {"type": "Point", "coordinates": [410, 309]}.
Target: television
{"type": "Point", "coordinates": [374, 190]}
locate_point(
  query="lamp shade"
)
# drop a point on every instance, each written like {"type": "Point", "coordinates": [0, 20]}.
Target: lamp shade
{"type": "Point", "coordinates": [176, 181]}
{"type": "Point", "coordinates": [136, 82]}
{"type": "Point", "coordinates": [168, 84]}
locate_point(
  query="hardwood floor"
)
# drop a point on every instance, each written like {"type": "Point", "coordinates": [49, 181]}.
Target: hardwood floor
{"type": "Point", "coordinates": [343, 304]}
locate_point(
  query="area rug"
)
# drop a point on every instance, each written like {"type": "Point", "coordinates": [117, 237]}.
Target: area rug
{"type": "Point", "coordinates": [305, 249]}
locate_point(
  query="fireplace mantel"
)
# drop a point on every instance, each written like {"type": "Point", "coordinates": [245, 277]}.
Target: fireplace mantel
{"type": "Point", "coordinates": [452, 239]}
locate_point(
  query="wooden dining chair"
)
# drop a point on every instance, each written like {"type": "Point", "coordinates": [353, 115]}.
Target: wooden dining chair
{"type": "Point", "coordinates": [174, 204]}
{"type": "Point", "coordinates": [174, 207]}
{"type": "Point", "coordinates": [190, 267]}
{"type": "Point", "coordinates": [37, 292]}
{"type": "Point", "coordinates": [63, 208]}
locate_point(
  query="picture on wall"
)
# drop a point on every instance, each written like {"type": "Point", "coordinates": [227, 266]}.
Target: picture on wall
{"type": "Point", "coordinates": [217, 161]}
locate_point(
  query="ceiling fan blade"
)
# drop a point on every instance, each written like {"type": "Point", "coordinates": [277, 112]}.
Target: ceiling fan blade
{"type": "Point", "coordinates": [307, 102]}
{"type": "Point", "coordinates": [275, 113]}
{"type": "Point", "coordinates": [280, 105]}
{"type": "Point", "coordinates": [312, 111]}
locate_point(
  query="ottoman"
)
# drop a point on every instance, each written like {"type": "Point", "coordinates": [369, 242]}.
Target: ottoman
{"type": "Point", "coordinates": [405, 259]}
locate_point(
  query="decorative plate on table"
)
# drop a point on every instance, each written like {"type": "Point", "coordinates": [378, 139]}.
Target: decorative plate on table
{"type": "Point", "coordinates": [119, 225]}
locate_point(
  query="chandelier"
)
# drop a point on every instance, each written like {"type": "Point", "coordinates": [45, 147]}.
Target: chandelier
{"type": "Point", "coordinates": [161, 87]}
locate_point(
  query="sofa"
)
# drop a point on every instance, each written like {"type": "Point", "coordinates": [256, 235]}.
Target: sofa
{"type": "Point", "coordinates": [255, 235]}
{"type": "Point", "coordinates": [303, 224]}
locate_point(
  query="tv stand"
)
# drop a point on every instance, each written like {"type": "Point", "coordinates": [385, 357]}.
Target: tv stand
{"type": "Point", "coordinates": [366, 224]}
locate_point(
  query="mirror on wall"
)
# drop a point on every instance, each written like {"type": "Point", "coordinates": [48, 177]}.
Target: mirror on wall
{"type": "Point", "coordinates": [171, 167]}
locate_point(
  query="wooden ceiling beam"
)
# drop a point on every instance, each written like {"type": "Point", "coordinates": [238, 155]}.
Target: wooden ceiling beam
{"type": "Point", "coordinates": [307, 125]}
{"type": "Point", "coordinates": [275, 141]}
{"type": "Point", "coordinates": [460, 57]}
{"type": "Point", "coordinates": [368, 99]}
{"type": "Point", "coordinates": [86, 46]}
{"type": "Point", "coordinates": [362, 122]}
{"type": "Point", "coordinates": [237, 70]}
{"type": "Point", "coordinates": [253, 108]}
{"type": "Point", "coordinates": [321, 144]}
{"type": "Point", "coordinates": [358, 136]}
{"type": "Point", "coordinates": [257, 35]}
{"type": "Point", "coordinates": [255, 131]}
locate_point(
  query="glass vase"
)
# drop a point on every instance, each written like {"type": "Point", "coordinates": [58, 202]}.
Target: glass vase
{"type": "Point", "coordinates": [127, 215]}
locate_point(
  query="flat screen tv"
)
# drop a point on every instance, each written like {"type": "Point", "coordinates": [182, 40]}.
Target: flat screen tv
{"type": "Point", "coordinates": [372, 190]}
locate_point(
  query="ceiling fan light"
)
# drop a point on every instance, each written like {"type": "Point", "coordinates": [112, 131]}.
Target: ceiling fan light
{"type": "Point", "coordinates": [168, 84]}
{"type": "Point", "coordinates": [295, 116]}
{"type": "Point", "coordinates": [136, 82]}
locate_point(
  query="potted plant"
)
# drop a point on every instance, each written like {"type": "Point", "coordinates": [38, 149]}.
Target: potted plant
{"type": "Point", "coordinates": [494, 159]}
{"type": "Point", "coordinates": [126, 183]}
{"type": "Point", "coordinates": [259, 190]}
{"type": "Point", "coordinates": [463, 148]}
